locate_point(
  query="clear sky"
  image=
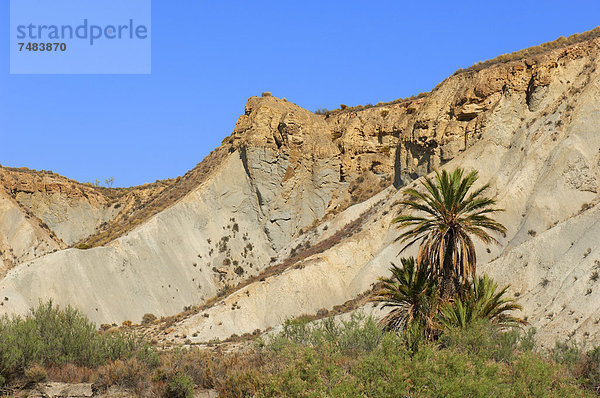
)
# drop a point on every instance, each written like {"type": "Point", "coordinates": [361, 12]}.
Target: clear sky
{"type": "Point", "coordinates": [209, 57]}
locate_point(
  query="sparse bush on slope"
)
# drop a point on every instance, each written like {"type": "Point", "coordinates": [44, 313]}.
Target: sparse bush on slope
{"type": "Point", "coordinates": [49, 336]}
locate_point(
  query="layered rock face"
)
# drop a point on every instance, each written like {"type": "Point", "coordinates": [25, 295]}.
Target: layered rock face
{"type": "Point", "coordinates": [537, 144]}
{"type": "Point", "coordinates": [287, 180]}
{"type": "Point", "coordinates": [70, 210]}
{"type": "Point", "coordinates": [21, 237]}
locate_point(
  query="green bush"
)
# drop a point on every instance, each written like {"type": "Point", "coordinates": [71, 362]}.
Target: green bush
{"type": "Point", "coordinates": [180, 386]}
{"type": "Point", "coordinates": [565, 352]}
{"type": "Point", "coordinates": [486, 339]}
{"type": "Point", "coordinates": [359, 333]}
{"type": "Point", "coordinates": [324, 358]}
{"type": "Point", "coordinates": [355, 358]}
{"type": "Point", "coordinates": [49, 335]}
{"type": "Point", "coordinates": [148, 319]}
{"type": "Point", "coordinates": [590, 369]}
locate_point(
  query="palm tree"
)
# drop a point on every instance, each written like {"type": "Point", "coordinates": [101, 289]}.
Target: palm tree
{"type": "Point", "coordinates": [480, 301]}
{"type": "Point", "coordinates": [413, 294]}
{"type": "Point", "coordinates": [450, 216]}
{"type": "Point", "coordinates": [419, 313]}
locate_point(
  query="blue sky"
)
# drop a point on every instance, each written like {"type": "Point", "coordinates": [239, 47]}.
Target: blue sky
{"type": "Point", "coordinates": [208, 58]}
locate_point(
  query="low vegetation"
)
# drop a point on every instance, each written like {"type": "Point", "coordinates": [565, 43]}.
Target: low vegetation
{"type": "Point", "coordinates": [325, 358]}
{"type": "Point", "coordinates": [49, 336]}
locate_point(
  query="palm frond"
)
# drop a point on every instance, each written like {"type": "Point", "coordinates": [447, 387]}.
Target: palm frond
{"type": "Point", "coordinates": [443, 219]}
{"type": "Point", "coordinates": [480, 300]}
{"type": "Point", "coordinates": [412, 294]}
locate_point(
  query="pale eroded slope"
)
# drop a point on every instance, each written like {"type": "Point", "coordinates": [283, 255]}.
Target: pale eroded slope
{"type": "Point", "coordinates": [530, 127]}
{"type": "Point", "coordinates": [543, 164]}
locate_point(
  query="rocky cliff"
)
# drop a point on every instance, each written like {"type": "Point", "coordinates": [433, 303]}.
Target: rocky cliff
{"type": "Point", "coordinates": [295, 207]}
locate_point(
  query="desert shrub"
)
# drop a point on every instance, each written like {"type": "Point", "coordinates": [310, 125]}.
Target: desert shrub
{"type": "Point", "coordinates": [130, 373]}
{"type": "Point", "coordinates": [294, 331]}
{"type": "Point", "coordinates": [180, 386]}
{"type": "Point", "coordinates": [36, 373]}
{"type": "Point", "coordinates": [389, 368]}
{"type": "Point", "coordinates": [565, 352]}
{"type": "Point", "coordinates": [245, 383]}
{"type": "Point", "coordinates": [70, 373]}
{"type": "Point", "coordinates": [527, 340]}
{"type": "Point", "coordinates": [355, 358]}
{"type": "Point", "coordinates": [148, 318]}
{"type": "Point", "coordinates": [487, 340]}
{"type": "Point", "coordinates": [360, 333]}
{"type": "Point", "coordinates": [589, 369]}
{"type": "Point", "coordinates": [215, 370]}
{"type": "Point", "coordinates": [49, 335]}
{"type": "Point", "coordinates": [337, 358]}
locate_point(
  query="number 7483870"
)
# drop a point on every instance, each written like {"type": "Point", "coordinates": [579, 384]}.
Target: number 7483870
{"type": "Point", "coordinates": [42, 46]}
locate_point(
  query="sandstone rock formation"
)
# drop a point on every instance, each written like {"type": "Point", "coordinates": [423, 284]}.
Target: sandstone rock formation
{"type": "Point", "coordinates": [288, 181]}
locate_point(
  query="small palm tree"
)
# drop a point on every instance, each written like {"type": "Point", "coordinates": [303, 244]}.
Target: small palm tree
{"type": "Point", "coordinates": [450, 216]}
{"type": "Point", "coordinates": [413, 296]}
{"type": "Point", "coordinates": [480, 301]}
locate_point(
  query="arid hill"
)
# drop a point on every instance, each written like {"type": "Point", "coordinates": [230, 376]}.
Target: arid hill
{"type": "Point", "coordinates": [291, 214]}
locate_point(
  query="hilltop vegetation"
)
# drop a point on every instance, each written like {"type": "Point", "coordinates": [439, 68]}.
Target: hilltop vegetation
{"type": "Point", "coordinates": [535, 50]}
{"type": "Point", "coordinates": [561, 42]}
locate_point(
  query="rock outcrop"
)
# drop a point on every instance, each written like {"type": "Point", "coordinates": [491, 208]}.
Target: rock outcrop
{"type": "Point", "coordinates": [288, 181]}
{"type": "Point", "coordinates": [543, 164]}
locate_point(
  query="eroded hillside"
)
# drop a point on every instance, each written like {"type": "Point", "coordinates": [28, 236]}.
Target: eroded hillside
{"type": "Point", "coordinates": [287, 181]}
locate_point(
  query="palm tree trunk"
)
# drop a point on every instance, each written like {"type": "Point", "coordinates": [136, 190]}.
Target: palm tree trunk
{"type": "Point", "coordinates": [449, 286]}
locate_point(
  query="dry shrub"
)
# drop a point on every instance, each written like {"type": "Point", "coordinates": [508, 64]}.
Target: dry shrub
{"type": "Point", "coordinates": [195, 363]}
{"type": "Point", "coordinates": [131, 374]}
{"type": "Point", "coordinates": [531, 51]}
{"type": "Point", "coordinates": [209, 369]}
{"type": "Point", "coordinates": [36, 373]}
{"type": "Point", "coordinates": [148, 319]}
{"type": "Point", "coordinates": [70, 373]}
{"type": "Point", "coordinates": [245, 383]}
